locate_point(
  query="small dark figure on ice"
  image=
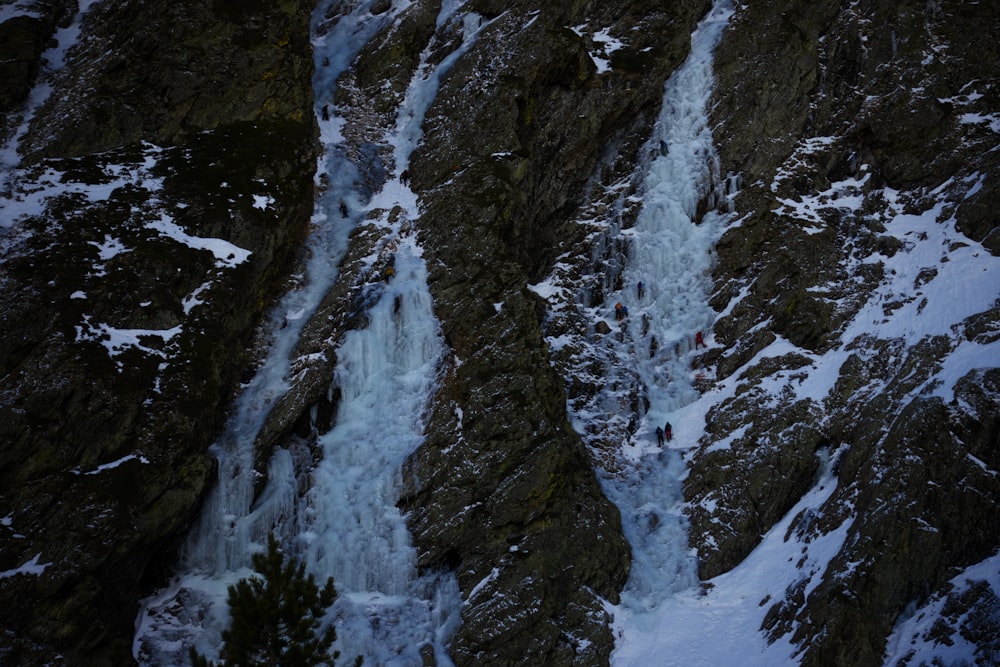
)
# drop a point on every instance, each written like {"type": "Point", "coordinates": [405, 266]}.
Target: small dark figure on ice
{"type": "Point", "coordinates": [659, 437]}
{"type": "Point", "coordinates": [699, 341]}
{"type": "Point", "coordinates": [404, 178]}
{"type": "Point", "coordinates": [668, 432]}
{"type": "Point", "coordinates": [640, 289]}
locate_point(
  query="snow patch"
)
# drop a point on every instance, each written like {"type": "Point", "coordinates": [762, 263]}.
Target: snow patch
{"type": "Point", "coordinates": [32, 568]}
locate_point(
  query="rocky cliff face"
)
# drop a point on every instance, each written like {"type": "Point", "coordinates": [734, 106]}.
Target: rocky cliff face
{"type": "Point", "coordinates": [167, 185]}
{"type": "Point", "coordinates": [892, 104]}
{"type": "Point", "coordinates": [169, 177]}
{"type": "Point", "coordinates": [498, 213]}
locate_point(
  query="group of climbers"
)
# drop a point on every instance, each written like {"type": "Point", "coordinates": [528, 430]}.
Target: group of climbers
{"type": "Point", "coordinates": [665, 433]}
{"type": "Point", "coordinates": [621, 312]}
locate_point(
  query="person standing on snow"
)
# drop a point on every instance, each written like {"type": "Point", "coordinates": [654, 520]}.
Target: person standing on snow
{"type": "Point", "coordinates": [668, 432]}
{"type": "Point", "coordinates": [659, 437]}
{"type": "Point", "coordinates": [699, 341]}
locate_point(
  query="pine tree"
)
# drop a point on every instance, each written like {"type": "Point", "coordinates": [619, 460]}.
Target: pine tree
{"type": "Point", "coordinates": [275, 615]}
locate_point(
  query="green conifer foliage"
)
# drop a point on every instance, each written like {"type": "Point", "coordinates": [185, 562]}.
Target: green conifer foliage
{"type": "Point", "coordinates": [276, 613]}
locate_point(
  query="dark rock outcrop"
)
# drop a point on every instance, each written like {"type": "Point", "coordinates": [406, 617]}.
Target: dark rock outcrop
{"type": "Point", "coordinates": [123, 334]}
{"type": "Point", "coordinates": [876, 98]}
{"type": "Point", "coordinates": [23, 39]}
{"type": "Point", "coordinates": [154, 72]}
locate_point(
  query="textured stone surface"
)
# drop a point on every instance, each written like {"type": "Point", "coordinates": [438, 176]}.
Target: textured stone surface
{"type": "Point", "coordinates": [69, 408]}
{"type": "Point", "coordinates": [859, 83]}
{"type": "Point", "coordinates": [23, 39]}
{"type": "Point", "coordinates": [156, 72]}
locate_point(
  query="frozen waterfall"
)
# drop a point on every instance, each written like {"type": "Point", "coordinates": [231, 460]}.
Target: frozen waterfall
{"type": "Point", "coordinates": [670, 253]}
{"type": "Point", "coordinates": [346, 524]}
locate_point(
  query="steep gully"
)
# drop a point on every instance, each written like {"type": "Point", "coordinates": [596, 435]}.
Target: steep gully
{"type": "Point", "coordinates": [669, 252]}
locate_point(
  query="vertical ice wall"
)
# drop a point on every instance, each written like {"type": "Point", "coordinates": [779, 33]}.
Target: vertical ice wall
{"type": "Point", "coordinates": [671, 254]}
{"type": "Point", "coordinates": [350, 524]}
